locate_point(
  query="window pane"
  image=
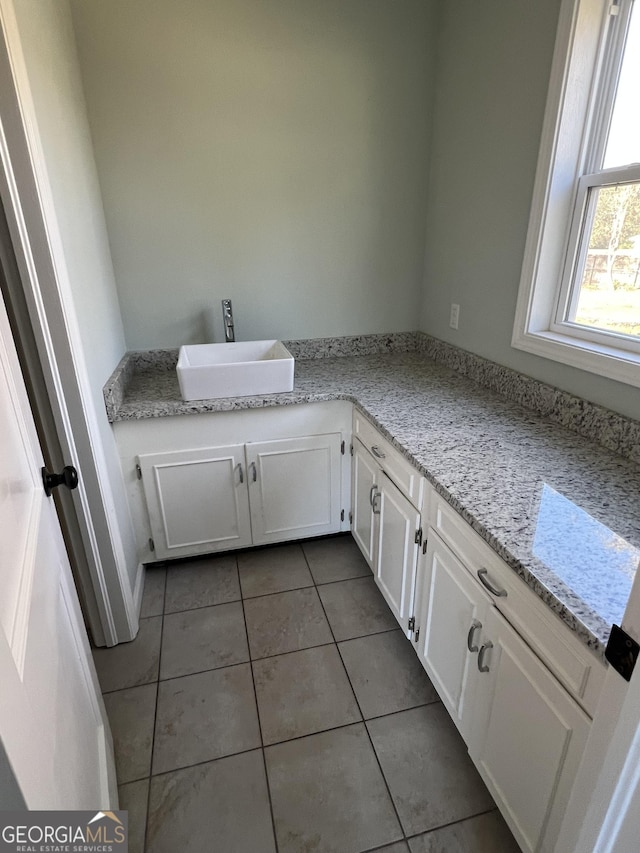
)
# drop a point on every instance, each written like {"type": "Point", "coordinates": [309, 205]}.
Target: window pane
{"type": "Point", "coordinates": [623, 143]}
{"type": "Point", "coordinates": [609, 293]}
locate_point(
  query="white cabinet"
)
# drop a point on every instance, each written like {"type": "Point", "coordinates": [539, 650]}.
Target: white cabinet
{"type": "Point", "coordinates": [397, 549]}
{"type": "Point", "coordinates": [217, 498]}
{"type": "Point", "coordinates": [197, 500]}
{"type": "Point", "coordinates": [385, 522]}
{"type": "Point", "coordinates": [450, 621]}
{"type": "Point", "coordinates": [294, 487]}
{"type": "Point", "coordinates": [524, 732]}
{"type": "Point", "coordinates": [365, 473]}
{"type": "Point", "coordinates": [217, 481]}
{"type": "Point", "coordinates": [529, 735]}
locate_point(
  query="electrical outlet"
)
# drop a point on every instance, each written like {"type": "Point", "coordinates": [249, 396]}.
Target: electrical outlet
{"type": "Point", "coordinates": [454, 316]}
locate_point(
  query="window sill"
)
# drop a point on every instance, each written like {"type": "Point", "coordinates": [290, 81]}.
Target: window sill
{"type": "Point", "coordinates": [609, 361]}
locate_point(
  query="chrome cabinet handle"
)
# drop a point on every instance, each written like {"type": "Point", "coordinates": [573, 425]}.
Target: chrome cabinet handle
{"type": "Point", "coordinates": [474, 626]}
{"type": "Point", "coordinates": [481, 655]}
{"type": "Point", "coordinates": [372, 494]}
{"type": "Point", "coordinates": [240, 474]}
{"type": "Point", "coordinates": [377, 452]}
{"type": "Point", "coordinates": [254, 472]}
{"type": "Point", "coordinates": [376, 510]}
{"type": "Point", "coordinates": [493, 589]}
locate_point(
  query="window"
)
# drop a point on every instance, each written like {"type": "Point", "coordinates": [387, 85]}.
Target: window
{"type": "Point", "coordinates": [579, 298]}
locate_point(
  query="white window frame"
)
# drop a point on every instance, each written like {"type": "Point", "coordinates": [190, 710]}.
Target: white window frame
{"type": "Point", "coordinates": [567, 155]}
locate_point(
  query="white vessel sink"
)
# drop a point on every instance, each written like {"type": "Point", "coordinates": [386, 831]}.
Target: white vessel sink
{"type": "Point", "coordinates": [240, 369]}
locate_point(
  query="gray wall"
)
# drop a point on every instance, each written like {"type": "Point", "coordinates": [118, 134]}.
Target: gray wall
{"type": "Point", "coordinates": [275, 153]}
{"type": "Point", "coordinates": [494, 61]}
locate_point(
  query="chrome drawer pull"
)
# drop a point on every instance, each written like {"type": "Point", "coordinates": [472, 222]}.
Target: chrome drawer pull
{"type": "Point", "coordinates": [254, 473]}
{"type": "Point", "coordinates": [493, 589]}
{"type": "Point", "coordinates": [481, 665]}
{"type": "Point", "coordinates": [474, 625]}
{"type": "Point", "coordinates": [240, 474]}
{"type": "Point", "coordinates": [377, 452]}
{"type": "Point", "coordinates": [372, 494]}
{"type": "Point", "coordinates": [376, 510]}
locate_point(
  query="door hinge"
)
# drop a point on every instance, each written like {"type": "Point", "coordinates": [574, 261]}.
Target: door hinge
{"type": "Point", "coordinates": [418, 539]}
{"type": "Point", "coordinates": [622, 652]}
{"type": "Point", "coordinates": [412, 623]}
{"type": "Point", "coordinates": [342, 447]}
{"type": "Point", "coordinates": [341, 515]}
{"type": "Point", "coordinates": [138, 472]}
{"type": "Point", "coordinates": [152, 545]}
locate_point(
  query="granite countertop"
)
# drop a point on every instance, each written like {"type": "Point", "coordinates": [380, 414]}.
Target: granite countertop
{"type": "Point", "coordinates": [560, 509]}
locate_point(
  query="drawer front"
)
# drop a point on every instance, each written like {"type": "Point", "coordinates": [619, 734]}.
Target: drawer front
{"type": "Point", "coordinates": [580, 671]}
{"type": "Point", "coordinates": [398, 469]}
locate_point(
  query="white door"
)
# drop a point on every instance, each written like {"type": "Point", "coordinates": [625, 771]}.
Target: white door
{"type": "Point", "coordinates": [197, 500]}
{"type": "Point", "coordinates": [52, 718]}
{"type": "Point", "coordinates": [294, 487]}
{"type": "Point", "coordinates": [397, 551]}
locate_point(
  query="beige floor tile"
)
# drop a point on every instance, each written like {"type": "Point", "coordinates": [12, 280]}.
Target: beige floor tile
{"type": "Point", "coordinates": [328, 794]}
{"type": "Point", "coordinates": [386, 674]}
{"type": "Point", "coordinates": [487, 833]}
{"type": "Point", "coordinates": [131, 714]}
{"type": "Point", "coordinates": [425, 762]}
{"type": "Point", "coordinates": [205, 716]}
{"type": "Point", "coordinates": [276, 569]}
{"type": "Point", "coordinates": [131, 664]}
{"type": "Point", "coordinates": [355, 608]}
{"type": "Point", "coordinates": [285, 622]}
{"type": "Point", "coordinates": [206, 638]}
{"type": "Point", "coordinates": [219, 806]}
{"type": "Point", "coordinates": [153, 596]}
{"type": "Point", "coordinates": [133, 798]}
{"type": "Point", "coordinates": [303, 692]}
{"type": "Point", "coordinates": [335, 559]}
{"type": "Point", "coordinates": [202, 583]}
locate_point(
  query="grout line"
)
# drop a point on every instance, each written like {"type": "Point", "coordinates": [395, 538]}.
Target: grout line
{"type": "Point", "coordinates": [155, 715]}
{"type": "Point", "coordinates": [255, 699]}
{"type": "Point", "coordinates": [452, 823]}
{"type": "Point", "coordinates": [201, 607]}
{"type": "Point", "coordinates": [363, 723]}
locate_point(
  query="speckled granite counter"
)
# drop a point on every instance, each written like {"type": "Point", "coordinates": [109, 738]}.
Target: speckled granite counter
{"type": "Point", "coordinates": [561, 510]}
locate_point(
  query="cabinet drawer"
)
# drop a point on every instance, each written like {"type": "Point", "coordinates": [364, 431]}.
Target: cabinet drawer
{"type": "Point", "coordinates": [399, 470]}
{"type": "Point", "coordinates": [580, 671]}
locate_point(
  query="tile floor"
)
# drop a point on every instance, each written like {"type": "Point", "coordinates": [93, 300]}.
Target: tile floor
{"type": "Point", "coordinates": [270, 703]}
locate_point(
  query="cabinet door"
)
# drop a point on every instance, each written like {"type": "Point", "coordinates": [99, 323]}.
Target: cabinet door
{"type": "Point", "coordinates": [294, 487]}
{"type": "Point", "coordinates": [197, 500]}
{"type": "Point", "coordinates": [529, 737]}
{"type": "Point", "coordinates": [365, 475]}
{"type": "Point", "coordinates": [397, 550]}
{"type": "Point", "coordinates": [451, 620]}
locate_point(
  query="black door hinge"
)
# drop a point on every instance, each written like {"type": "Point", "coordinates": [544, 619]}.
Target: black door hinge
{"type": "Point", "coordinates": [418, 539]}
{"type": "Point", "coordinates": [622, 652]}
{"type": "Point", "coordinates": [412, 623]}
